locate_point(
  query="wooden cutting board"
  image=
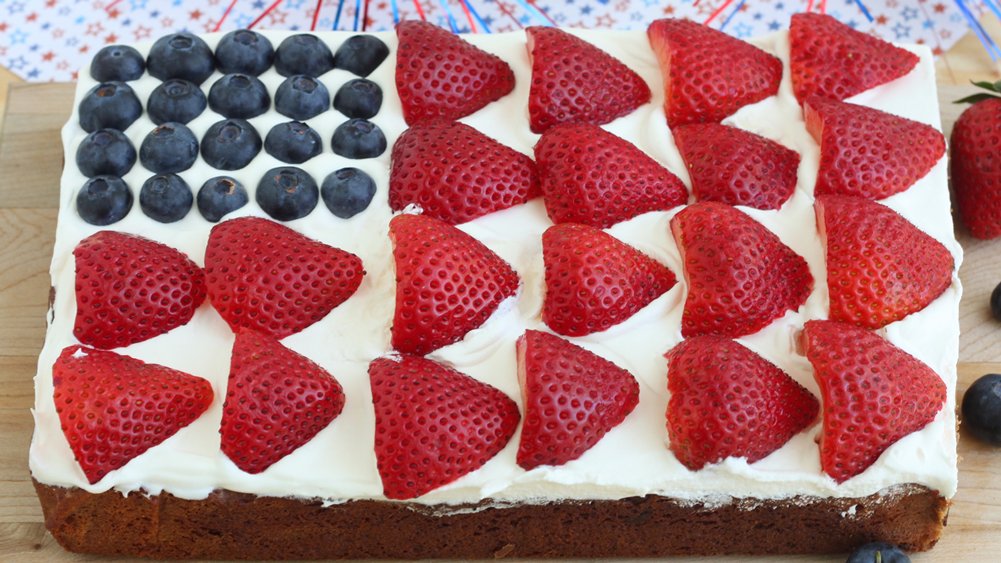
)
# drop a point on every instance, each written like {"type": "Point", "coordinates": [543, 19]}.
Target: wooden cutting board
{"type": "Point", "coordinates": [30, 165]}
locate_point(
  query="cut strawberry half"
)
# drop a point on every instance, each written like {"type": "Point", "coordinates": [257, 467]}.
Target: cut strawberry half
{"type": "Point", "coordinates": [572, 399]}
{"type": "Point", "coordinates": [740, 276]}
{"type": "Point", "coordinates": [456, 174]}
{"type": "Point", "coordinates": [113, 407]}
{"type": "Point", "coordinates": [266, 277]}
{"type": "Point", "coordinates": [575, 82]}
{"type": "Point", "coordinates": [595, 281]}
{"type": "Point", "coordinates": [434, 424]}
{"type": "Point", "coordinates": [869, 153]}
{"type": "Point", "coordinates": [874, 394]}
{"type": "Point", "coordinates": [130, 289]}
{"type": "Point", "coordinates": [593, 177]}
{"type": "Point", "coordinates": [447, 283]}
{"type": "Point", "coordinates": [441, 76]}
{"type": "Point", "coordinates": [736, 167]}
{"type": "Point", "coordinates": [727, 401]}
{"type": "Point", "coordinates": [829, 59]}
{"type": "Point", "coordinates": [276, 402]}
{"type": "Point", "coordinates": [880, 267]}
{"type": "Point", "coordinates": [709, 75]}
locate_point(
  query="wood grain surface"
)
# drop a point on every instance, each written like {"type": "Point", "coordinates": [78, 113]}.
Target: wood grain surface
{"type": "Point", "coordinates": [30, 156]}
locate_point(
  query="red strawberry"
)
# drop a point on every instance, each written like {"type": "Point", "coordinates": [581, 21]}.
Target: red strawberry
{"type": "Point", "coordinates": [113, 407]}
{"type": "Point", "coordinates": [874, 394]}
{"type": "Point", "coordinates": [595, 281]}
{"type": "Point", "coordinates": [709, 75]}
{"type": "Point", "coordinates": [130, 289]}
{"type": "Point", "coordinates": [438, 75]}
{"type": "Point", "coordinates": [591, 176]}
{"type": "Point", "coordinates": [976, 162]}
{"type": "Point", "coordinates": [869, 153]}
{"type": "Point", "coordinates": [574, 81]}
{"type": "Point", "coordinates": [880, 267]}
{"type": "Point", "coordinates": [276, 401]}
{"type": "Point", "coordinates": [572, 399]}
{"type": "Point", "coordinates": [456, 174]}
{"type": "Point", "coordinates": [447, 283]}
{"type": "Point", "coordinates": [735, 166]}
{"type": "Point", "coordinates": [727, 401]}
{"type": "Point", "coordinates": [266, 277]}
{"type": "Point", "coordinates": [740, 276]}
{"type": "Point", "coordinates": [832, 60]}
{"type": "Point", "coordinates": [433, 424]}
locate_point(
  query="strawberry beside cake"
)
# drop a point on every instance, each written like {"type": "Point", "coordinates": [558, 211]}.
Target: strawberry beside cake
{"type": "Point", "coordinates": [545, 293]}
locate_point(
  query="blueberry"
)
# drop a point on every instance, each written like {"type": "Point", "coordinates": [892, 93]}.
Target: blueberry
{"type": "Point", "coordinates": [347, 192]}
{"type": "Point", "coordinates": [117, 62]}
{"type": "Point", "coordinates": [105, 152]}
{"type": "Point", "coordinates": [303, 54]}
{"type": "Point", "coordinates": [982, 409]}
{"type": "Point", "coordinates": [219, 196]}
{"type": "Point", "coordinates": [996, 302]}
{"type": "Point", "coordinates": [287, 193]}
{"type": "Point", "coordinates": [239, 95]}
{"type": "Point", "coordinates": [165, 198]}
{"type": "Point", "coordinates": [180, 55]}
{"type": "Point", "coordinates": [878, 552]}
{"type": "Point", "coordinates": [230, 144]}
{"type": "Point", "coordinates": [293, 142]}
{"type": "Point", "coordinates": [244, 51]}
{"type": "Point", "coordinates": [109, 105]}
{"type": "Point", "coordinates": [361, 54]}
{"type": "Point", "coordinates": [301, 97]}
{"type": "Point", "coordinates": [359, 98]}
{"type": "Point", "coordinates": [175, 100]}
{"type": "Point", "coordinates": [169, 148]}
{"type": "Point", "coordinates": [104, 200]}
{"type": "Point", "coordinates": [357, 138]}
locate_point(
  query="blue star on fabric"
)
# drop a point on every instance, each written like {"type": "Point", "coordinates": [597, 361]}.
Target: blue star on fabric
{"type": "Point", "coordinates": [138, 4]}
{"type": "Point", "coordinates": [774, 26]}
{"type": "Point", "coordinates": [909, 14]}
{"type": "Point", "coordinates": [15, 7]}
{"type": "Point", "coordinates": [901, 31]}
{"type": "Point", "coordinates": [743, 30]}
{"type": "Point", "coordinates": [33, 73]}
{"type": "Point", "coordinates": [585, 10]}
{"type": "Point", "coordinates": [18, 63]}
{"type": "Point", "coordinates": [18, 37]}
{"type": "Point", "coordinates": [928, 24]}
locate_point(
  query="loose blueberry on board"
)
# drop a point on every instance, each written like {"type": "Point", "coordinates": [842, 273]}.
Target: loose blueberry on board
{"type": "Point", "coordinates": [175, 100]}
{"type": "Point", "coordinates": [180, 55]}
{"type": "Point", "coordinates": [361, 54]}
{"type": "Point", "coordinates": [169, 148]}
{"type": "Point", "coordinates": [982, 409]}
{"type": "Point", "coordinates": [105, 152]}
{"type": "Point", "coordinates": [357, 138]}
{"type": "Point", "coordinates": [301, 97]}
{"type": "Point", "coordinates": [303, 54]}
{"type": "Point", "coordinates": [244, 51]}
{"type": "Point", "coordinates": [347, 192]}
{"type": "Point", "coordinates": [230, 144]}
{"type": "Point", "coordinates": [293, 142]}
{"type": "Point", "coordinates": [878, 552]}
{"type": "Point", "coordinates": [359, 98]}
{"type": "Point", "coordinates": [996, 302]}
{"type": "Point", "coordinates": [104, 200]}
{"type": "Point", "coordinates": [220, 196]}
{"type": "Point", "coordinates": [109, 105]}
{"type": "Point", "coordinates": [287, 193]}
{"type": "Point", "coordinates": [165, 198]}
{"type": "Point", "coordinates": [119, 63]}
{"type": "Point", "coordinates": [239, 95]}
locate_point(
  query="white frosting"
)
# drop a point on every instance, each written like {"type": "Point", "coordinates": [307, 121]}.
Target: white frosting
{"type": "Point", "coordinates": [633, 459]}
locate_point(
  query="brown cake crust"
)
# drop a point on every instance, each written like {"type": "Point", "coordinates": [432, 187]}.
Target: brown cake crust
{"type": "Point", "coordinates": [230, 525]}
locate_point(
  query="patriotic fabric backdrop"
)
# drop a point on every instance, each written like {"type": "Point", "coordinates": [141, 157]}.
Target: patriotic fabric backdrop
{"type": "Point", "coordinates": [52, 39]}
